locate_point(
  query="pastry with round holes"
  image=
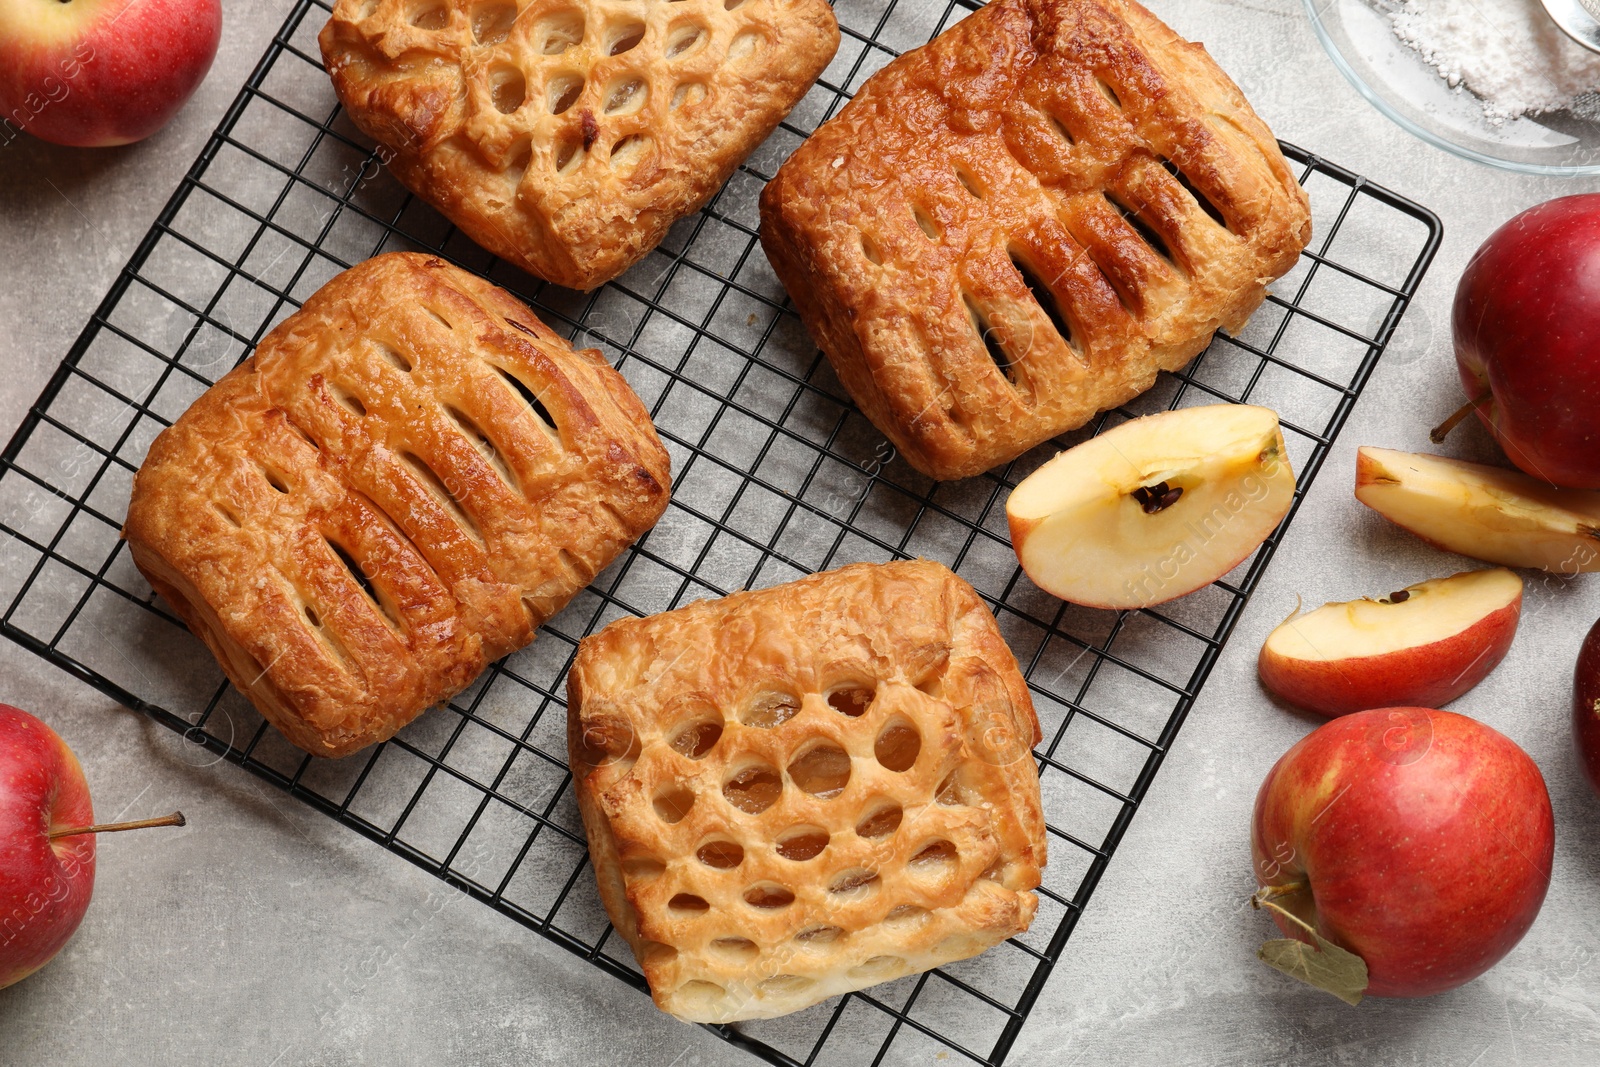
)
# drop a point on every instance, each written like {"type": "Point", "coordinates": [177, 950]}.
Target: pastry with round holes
{"type": "Point", "coordinates": [408, 477]}
{"type": "Point", "coordinates": [1015, 226]}
{"type": "Point", "coordinates": [567, 136]}
{"type": "Point", "coordinates": [805, 790]}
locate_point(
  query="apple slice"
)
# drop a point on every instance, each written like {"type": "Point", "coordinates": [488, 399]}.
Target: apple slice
{"type": "Point", "coordinates": [1422, 646]}
{"type": "Point", "coordinates": [1155, 508]}
{"type": "Point", "coordinates": [1488, 513]}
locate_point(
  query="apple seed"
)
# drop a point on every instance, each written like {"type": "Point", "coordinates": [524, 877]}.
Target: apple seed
{"type": "Point", "coordinates": [1156, 498]}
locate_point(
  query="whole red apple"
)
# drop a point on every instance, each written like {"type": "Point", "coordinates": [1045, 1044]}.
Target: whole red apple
{"type": "Point", "coordinates": [1419, 840]}
{"type": "Point", "coordinates": [1527, 337]}
{"type": "Point", "coordinates": [1586, 707]}
{"type": "Point", "coordinates": [44, 885]}
{"type": "Point", "coordinates": [101, 72]}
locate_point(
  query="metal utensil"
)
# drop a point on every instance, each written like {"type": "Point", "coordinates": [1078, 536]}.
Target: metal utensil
{"type": "Point", "coordinates": [1578, 19]}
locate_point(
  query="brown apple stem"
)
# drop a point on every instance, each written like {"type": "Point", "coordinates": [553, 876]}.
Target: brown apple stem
{"type": "Point", "coordinates": [1441, 431]}
{"type": "Point", "coordinates": [175, 819]}
{"type": "Point", "coordinates": [1257, 902]}
{"type": "Point", "coordinates": [1269, 892]}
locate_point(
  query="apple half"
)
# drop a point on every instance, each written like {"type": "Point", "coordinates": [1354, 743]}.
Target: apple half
{"type": "Point", "coordinates": [1488, 513]}
{"type": "Point", "coordinates": [1424, 645]}
{"type": "Point", "coordinates": [1155, 508]}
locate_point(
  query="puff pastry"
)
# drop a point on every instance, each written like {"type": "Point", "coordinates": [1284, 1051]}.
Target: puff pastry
{"type": "Point", "coordinates": [409, 475]}
{"type": "Point", "coordinates": [802, 791]}
{"type": "Point", "coordinates": [566, 136]}
{"type": "Point", "coordinates": [1015, 226]}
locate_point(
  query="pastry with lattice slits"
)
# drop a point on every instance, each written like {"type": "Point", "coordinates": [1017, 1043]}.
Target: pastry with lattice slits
{"type": "Point", "coordinates": [805, 790]}
{"type": "Point", "coordinates": [409, 476]}
{"type": "Point", "coordinates": [567, 136]}
{"type": "Point", "coordinates": [1017, 225]}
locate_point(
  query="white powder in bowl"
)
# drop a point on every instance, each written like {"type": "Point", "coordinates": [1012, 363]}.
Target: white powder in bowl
{"type": "Point", "coordinates": [1506, 52]}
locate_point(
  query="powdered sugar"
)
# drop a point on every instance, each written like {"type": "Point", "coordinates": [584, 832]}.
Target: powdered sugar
{"type": "Point", "coordinates": [1506, 52]}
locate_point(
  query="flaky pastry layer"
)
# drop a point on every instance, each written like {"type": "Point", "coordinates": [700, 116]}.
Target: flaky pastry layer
{"type": "Point", "coordinates": [567, 136]}
{"type": "Point", "coordinates": [1017, 225]}
{"type": "Point", "coordinates": [409, 475]}
{"type": "Point", "coordinates": [805, 790]}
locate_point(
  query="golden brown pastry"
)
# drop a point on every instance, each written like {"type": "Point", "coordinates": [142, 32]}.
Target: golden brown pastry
{"type": "Point", "coordinates": [1015, 226]}
{"type": "Point", "coordinates": [409, 475]}
{"type": "Point", "coordinates": [566, 136]}
{"type": "Point", "coordinates": [802, 791]}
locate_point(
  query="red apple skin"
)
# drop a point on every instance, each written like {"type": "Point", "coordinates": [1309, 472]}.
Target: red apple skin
{"type": "Point", "coordinates": [1527, 331]}
{"type": "Point", "coordinates": [44, 885]}
{"type": "Point", "coordinates": [1586, 707]}
{"type": "Point", "coordinates": [102, 72]}
{"type": "Point", "coordinates": [1423, 676]}
{"type": "Point", "coordinates": [1425, 839]}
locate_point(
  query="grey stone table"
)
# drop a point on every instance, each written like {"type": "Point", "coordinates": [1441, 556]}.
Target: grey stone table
{"type": "Point", "coordinates": [265, 934]}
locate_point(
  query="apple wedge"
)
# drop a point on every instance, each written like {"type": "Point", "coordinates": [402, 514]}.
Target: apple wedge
{"type": "Point", "coordinates": [1488, 513]}
{"type": "Point", "coordinates": [1155, 508]}
{"type": "Point", "coordinates": [1422, 646]}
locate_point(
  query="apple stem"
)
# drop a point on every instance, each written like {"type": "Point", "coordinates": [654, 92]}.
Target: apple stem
{"type": "Point", "coordinates": [1260, 900]}
{"type": "Point", "coordinates": [1268, 892]}
{"type": "Point", "coordinates": [175, 819]}
{"type": "Point", "coordinates": [1441, 431]}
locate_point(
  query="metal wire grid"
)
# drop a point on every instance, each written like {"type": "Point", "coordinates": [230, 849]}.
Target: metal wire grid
{"type": "Point", "coordinates": [775, 476]}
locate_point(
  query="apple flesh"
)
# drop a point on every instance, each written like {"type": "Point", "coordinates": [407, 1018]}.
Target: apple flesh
{"type": "Point", "coordinates": [1417, 839]}
{"type": "Point", "coordinates": [45, 885]}
{"type": "Point", "coordinates": [1424, 645]}
{"type": "Point", "coordinates": [1496, 515]}
{"type": "Point", "coordinates": [1526, 324]}
{"type": "Point", "coordinates": [1586, 707]}
{"type": "Point", "coordinates": [101, 72]}
{"type": "Point", "coordinates": [1155, 508]}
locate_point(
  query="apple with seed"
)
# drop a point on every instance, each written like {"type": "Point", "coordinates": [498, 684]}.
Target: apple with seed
{"type": "Point", "coordinates": [101, 72]}
{"type": "Point", "coordinates": [1425, 644]}
{"type": "Point", "coordinates": [1488, 513]}
{"type": "Point", "coordinates": [1155, 508]}
{"type": "Point", "coordinates": [47, 839]}
{"type": "Point", "coordinates": [1415, 842]}
{"type": "Point", "coordinates": [1526, 324]}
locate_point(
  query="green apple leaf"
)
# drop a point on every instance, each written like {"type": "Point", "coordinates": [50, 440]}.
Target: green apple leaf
{"type": "Point", "coordinates": [1328, 967]}
{"type": "Point", "coordinates": [1321, 964]}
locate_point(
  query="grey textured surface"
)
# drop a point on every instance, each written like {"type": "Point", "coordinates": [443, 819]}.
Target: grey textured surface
{"type": "Point", "coordinates": [264, 933]}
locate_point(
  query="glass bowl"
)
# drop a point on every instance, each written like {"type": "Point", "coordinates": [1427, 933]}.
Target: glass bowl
{"type": "Point", "coordinates": [1394, 77]}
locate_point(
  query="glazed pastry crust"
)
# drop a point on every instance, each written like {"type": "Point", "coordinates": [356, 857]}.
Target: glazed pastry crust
{"type": "Point", "coordinates": [554, 135]}
{"type": "Point", "coordinates": [681, 725]}
{"type": "Point", "coordinates": [365, 513]}
{"type": "Point", "coordinates": [1044, 173]}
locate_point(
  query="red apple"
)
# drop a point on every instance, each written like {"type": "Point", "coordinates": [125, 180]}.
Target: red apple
{"type": "Point", "coordinates": [1419, 840]}
{"type": "Point", "coordinates": [1586, 707]}
{"type": "Point", "coordinates": [101, 72]}
{"type": "Point", "coordinates": [44, 884]}
{"type": "Point", "coordinates": [1527, 338]}
{"type": "Point", "coordinates": [1425, 644]}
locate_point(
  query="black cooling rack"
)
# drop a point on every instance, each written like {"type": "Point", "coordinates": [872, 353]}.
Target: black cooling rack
{"type": "Point", "coordinates": [775, 475]}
